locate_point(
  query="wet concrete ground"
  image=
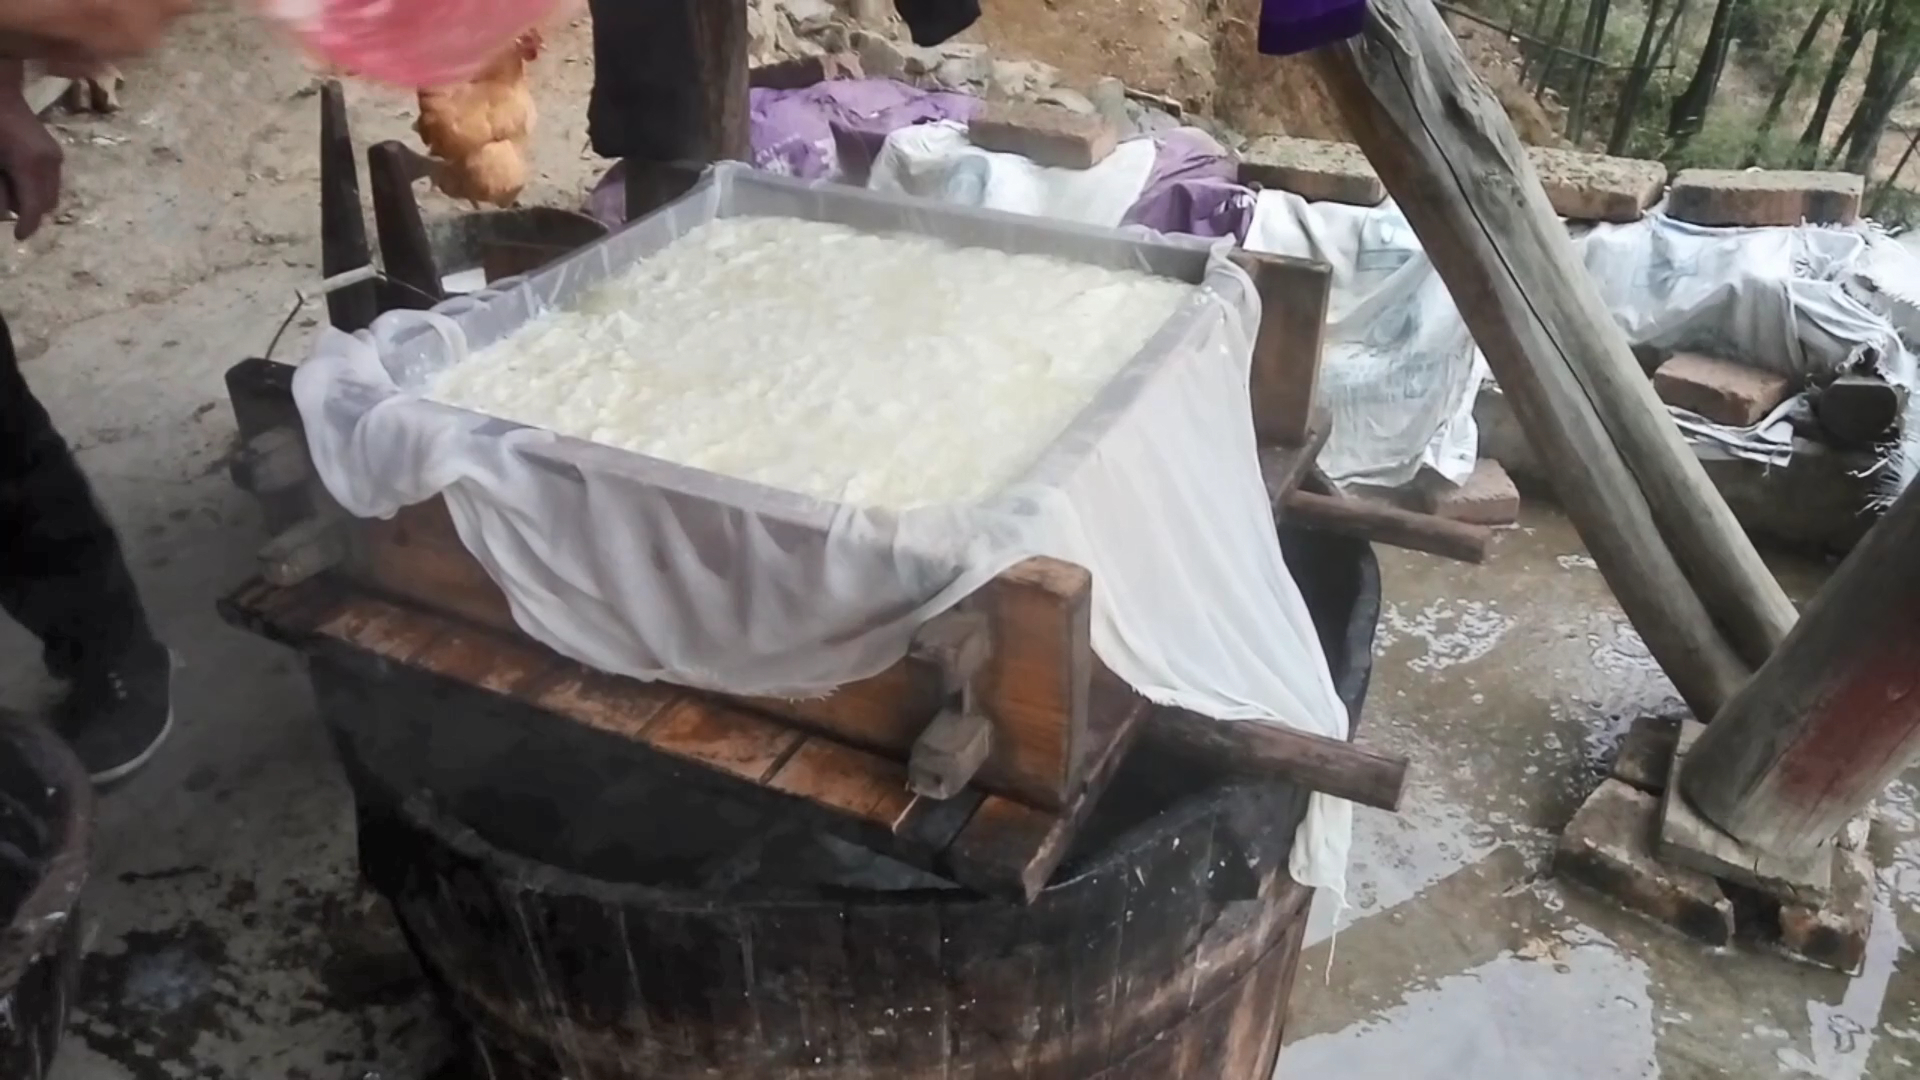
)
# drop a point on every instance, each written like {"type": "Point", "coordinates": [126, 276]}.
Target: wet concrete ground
{"type": "Point", "coordinates": [1509, 685]}
{"type": "Point", "coordinates": [231, 940]}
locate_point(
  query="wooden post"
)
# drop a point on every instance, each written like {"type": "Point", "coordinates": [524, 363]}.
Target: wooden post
{"type": "Point", "coordinates": [1834, 716]}
{"type": "Point", "coordinates": [1389, 525]}
{"type": "Point", "coordinates": [1449, 156]}
{"type": "Point", "coordinates": [1287, 347]}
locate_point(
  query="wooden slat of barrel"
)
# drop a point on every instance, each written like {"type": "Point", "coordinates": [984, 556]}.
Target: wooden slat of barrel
{"type": "Point", "coordinates": [1133, 968]}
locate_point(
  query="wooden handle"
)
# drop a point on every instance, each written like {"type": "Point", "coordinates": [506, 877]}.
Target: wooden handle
{"type": "Point", "coordinates": [1255, 750]}
{"type": "Point", "coordinates": [1372, 521]}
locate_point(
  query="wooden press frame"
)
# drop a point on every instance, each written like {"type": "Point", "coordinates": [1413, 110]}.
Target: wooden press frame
{"type": "Point", "coordinates": [407, 592]}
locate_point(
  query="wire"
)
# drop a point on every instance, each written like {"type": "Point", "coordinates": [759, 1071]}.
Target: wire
{"type": "Point", "coordinates": [334, 284]}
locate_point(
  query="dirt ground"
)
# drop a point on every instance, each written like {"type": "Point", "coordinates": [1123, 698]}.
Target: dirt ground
{"type": "Point", "coordinates": [231, 939]}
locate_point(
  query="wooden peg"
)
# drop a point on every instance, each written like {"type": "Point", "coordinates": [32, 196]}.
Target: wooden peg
{"type": "Point", "coordinates": [304, 551]}
{"type": "Point", "coordinates": [958, 641]}
{"type": "Point", "coordinates": [949, 753]}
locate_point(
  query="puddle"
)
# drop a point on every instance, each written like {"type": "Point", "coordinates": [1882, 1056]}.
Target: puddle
{"type": "Point", "coordinates": [1577, 1010]}
{"type": "Point", "coordinates": [1454, 632]}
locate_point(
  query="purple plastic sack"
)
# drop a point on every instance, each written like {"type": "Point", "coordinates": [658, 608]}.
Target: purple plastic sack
{"type": "Point", "coordinates": [1295, 26]}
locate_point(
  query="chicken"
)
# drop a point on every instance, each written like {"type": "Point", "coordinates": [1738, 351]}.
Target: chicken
{"type": "Point", "coordinates": [477, 131]}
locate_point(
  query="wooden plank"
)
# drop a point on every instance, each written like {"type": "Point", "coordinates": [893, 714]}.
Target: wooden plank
{"type": "Point", "coordinates": [859, 784]}
{"type": "Point", "coordinates": [1834, 716]}
{"type": "Point", "coordinates": [417, 555]}
{"type": "Point", "coordinates": [1286, 351]}
{"type": "Point", "coordinates": [502, 665]}
{"type": "Point", "coordinates": [1451, 160]}
{"type": "Point", "coordinates": [1285, 468]}
{"type": "Point", "coordinates": [287, 616]}
{"type": "Point", "coordinates": [1009, 849]}
{"type": "Point", "coordinates": [1368, 520]}
{"type": "Point", "coordinates": [385, 630]}
{"type": "Point", "coordinates": [726, 740]}
{"type": "Point", "coordinates": [617, 706]}
{"type": "Point", "coordinates": [1034, 687]}
{"type": "Point", "coordinates": [1037, 686]}
{"type": "Point", "coordinates": [1271, 753]}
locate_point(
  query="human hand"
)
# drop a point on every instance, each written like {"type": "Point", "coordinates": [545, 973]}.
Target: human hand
{"type": "Point", "coordinates": [30, 160]}
{"type": "Point", "coordinates": [70, 31]}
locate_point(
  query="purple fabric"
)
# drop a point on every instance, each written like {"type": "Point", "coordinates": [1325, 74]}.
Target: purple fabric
{"type": "Point", "coordinates": [831, 129]}
{"type": "Point", "coordinates": [1295, 26]}
{"type": "Point", "coordinates": [802, 132]}
{"type": "Point", "coordinates": [1208, 207]}
{"type": "Point", "coordinates": [834, 130]}
{"type": "Point", "coordinates": [1192, 190]}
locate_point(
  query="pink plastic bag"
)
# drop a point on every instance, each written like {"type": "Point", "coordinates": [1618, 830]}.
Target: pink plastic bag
{"type": "Point", "coordinates": [410, 43]}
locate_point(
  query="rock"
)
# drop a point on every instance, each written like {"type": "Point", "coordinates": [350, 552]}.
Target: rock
{"type": "Point", "coordinates": [1834, 934]}
{"type": "Point", "coordinates": [1489, 497]}
{"type": "Point", "coordinates": [1069, 99]}
{"type": "Point", "coordinates": [1647, 752]}
{"type": "Point", "coordinates": [1160, 45]}
{"type": "Point", "coordinates": [1313, 169]}
{"type": "Point", "coordinates": [955, 66]}
{"type": "Point", "coordinates": [1109, 97]}
{"type": "Point", "coordinates": [1595, 187]}
{"type": "Point", "coordinates": [810, 17]}
{"type": "Point", "coordinates": [1148, 120]}
{"type": "Point", "coordinates": [879, 57]}
{"type": "Point", "coordinates": [1020, 80]}
{"type": "Point", "coordinates": [1758, 197]}
{"type": "Point", "coordinates": [1047, 134]}
{"type": "Point", "coordinates": [1720, 390]}
{"type": "Point", "coordinates": [1608, 848]}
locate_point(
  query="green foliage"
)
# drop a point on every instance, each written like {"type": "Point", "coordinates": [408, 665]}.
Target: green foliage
{"type": "Point", "coordinates": [1727, 140]}
{"type": "Point", "coordinates": [1766, 33]}
{"type": "Point", "coordinates": [1897, 208]}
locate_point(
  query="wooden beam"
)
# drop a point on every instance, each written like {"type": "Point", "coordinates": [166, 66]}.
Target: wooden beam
{"type": "Point", "coordinates": [1389, 525]}
{"type": "Point", "coordinates": [1654, 523]}
{"type": "Point", "coordinates": [1268, 753]}
{"type": "Point", "coordinates": [1286, 350]}
{"type": "Point", "coordinates": [413, 275]}
{"type": "Point", "coordinates": [343, 223]}
{"type": "Point", "coordinates": [1834, 716]}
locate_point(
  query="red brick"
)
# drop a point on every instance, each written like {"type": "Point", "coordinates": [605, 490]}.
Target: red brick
{"type": "Point", "coordinates": [1312, 169]}
{"type": "Point", "coordinates": [1487, 498]}
{"type": "Point", "coordinates": [1596, 187]}
{"type": "Point", "coordinates": [1608, 847]}
{"type": "Point", "coordinates": [1834, 934]}
{"type": "Point", "coordinates": [1720, 390]}
{"type": "Point", "coordinates": [1646, 753]}
{"type": "Point", "coordinates": [1730, 197]}
{"type": "Point", "coordinates": [1048, 134]}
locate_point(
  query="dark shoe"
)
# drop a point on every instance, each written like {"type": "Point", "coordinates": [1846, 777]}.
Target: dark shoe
{"type": "Point", "coordinates": [115, 719]}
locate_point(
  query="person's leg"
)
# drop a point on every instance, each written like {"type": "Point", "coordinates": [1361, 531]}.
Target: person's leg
{"type": "Point", "coordinates": [63, 577]}
{"type": "Point", "coordinates": [646, 101]}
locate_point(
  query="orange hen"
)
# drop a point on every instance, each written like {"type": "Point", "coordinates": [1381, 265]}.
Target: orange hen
{"type": "Point", "coordinates": [477, 131]}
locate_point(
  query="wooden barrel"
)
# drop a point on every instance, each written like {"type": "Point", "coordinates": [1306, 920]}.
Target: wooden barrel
{"type": "Point", "coordinates": [46, 824]}
{"type": "Point", "coordinates": [588, 918]}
